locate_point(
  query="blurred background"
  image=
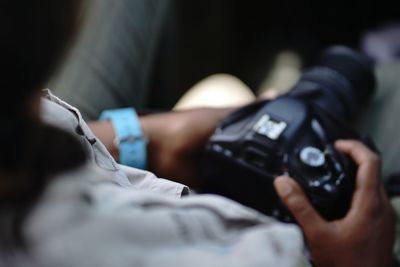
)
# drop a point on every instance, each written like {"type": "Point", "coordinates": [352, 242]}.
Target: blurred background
{"type": "Point", "coordinates": [249, 38]}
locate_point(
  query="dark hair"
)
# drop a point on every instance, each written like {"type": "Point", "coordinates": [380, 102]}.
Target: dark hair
{"type": "Point", "coordinates": [34, 36]}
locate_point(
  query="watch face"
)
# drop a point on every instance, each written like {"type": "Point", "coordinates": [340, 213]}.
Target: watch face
{"type": "Point", "coordinates": [269, 127]}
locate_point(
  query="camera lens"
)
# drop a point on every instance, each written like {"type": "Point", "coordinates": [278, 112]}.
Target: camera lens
{"type": "Point", "coordinates": [342, 82]}
{"type": "Point", "coordinates": [355, 67]}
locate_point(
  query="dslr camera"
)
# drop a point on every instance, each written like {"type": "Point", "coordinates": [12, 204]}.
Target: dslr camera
{"type": "Point", "coordinates": [294, 135]}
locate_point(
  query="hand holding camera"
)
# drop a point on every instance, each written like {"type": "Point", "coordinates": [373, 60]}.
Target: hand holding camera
{"type": "Point", "coordinates": [294, 135]}
{"type": "Point", "coordinates": [365, 236]}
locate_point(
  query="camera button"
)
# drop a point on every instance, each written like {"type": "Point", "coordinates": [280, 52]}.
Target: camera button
{"type": "Point", "coordinates": [329, 188]}
{"type": "Point", "coordinates": [312, 157]}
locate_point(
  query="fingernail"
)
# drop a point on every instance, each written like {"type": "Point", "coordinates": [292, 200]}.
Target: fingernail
{"type": "Point", "coordinates": [284, 188]}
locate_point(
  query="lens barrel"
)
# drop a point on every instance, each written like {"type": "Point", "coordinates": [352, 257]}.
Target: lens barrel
{"type": "Point", "coordinates": [342, 82]}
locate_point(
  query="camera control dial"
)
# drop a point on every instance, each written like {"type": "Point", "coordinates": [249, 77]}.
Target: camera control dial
{"type": "Point", "coordinates": [312, 157]}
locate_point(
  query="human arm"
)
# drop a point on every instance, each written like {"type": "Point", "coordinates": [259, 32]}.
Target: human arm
{"type": "Point", "coordinates": [175, 141]}
{"type": "Point", "coordinates": [365, 236]}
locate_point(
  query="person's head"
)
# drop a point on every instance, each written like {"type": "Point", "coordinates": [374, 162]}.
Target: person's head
{"type": "Point", "coordinates": [34, 36]}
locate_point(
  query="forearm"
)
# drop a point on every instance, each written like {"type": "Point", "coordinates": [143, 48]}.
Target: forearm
{"type": "Point", "coordinates": [156, 127]}
{"type": "Point", "coordinates": [175, 141]}
{"type": "Point", "coordinates": [104, 131]}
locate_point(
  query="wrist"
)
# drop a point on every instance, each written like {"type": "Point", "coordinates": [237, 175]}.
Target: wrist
{"type": "Point", "coordinates": [172, 134]}
{"type": "Point", "coordinates": [104, 131]}
{"type": "Point", "coordinates": [153, 129]}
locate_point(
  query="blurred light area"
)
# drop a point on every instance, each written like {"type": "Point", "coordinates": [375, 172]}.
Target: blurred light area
{"type": "Point", "coordinates": [219, 90]}
{"type": "Point", "coordinates": [222, 90]}
{"type": "Point", "coordinates": [383, 44]}
{"type": "Point", "coordinates": [283, 74]}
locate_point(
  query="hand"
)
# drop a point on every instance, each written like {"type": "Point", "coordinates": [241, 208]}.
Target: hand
{"type": "Point", "coordinates": [365, 236]}
{"type": "Point", "coordinates": [177, 141]}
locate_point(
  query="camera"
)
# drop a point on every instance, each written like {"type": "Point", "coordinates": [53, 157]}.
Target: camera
{"type": "Point", "coordinates": [294, 135]}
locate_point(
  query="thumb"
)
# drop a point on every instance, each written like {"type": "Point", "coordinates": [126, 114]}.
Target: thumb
{"type": "Point", "coordinates": [295, 200]}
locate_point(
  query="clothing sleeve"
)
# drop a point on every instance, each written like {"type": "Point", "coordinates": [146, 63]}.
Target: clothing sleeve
{"type": "Point", "coordinates": [146, 181]}
{"type": "Point", "coordinates": [60, 114]}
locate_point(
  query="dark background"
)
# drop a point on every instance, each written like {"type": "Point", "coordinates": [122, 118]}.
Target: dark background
{"type": "Point", "coordinates": [204, 37]}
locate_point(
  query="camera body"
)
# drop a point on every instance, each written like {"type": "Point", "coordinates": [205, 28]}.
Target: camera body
{"type": "Point", "coordinates": [294, 135]}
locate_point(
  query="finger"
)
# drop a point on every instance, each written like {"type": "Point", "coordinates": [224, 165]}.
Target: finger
{"type": "Point", "coordinates": [357, 150]}
{"type": "Point", "coordinates": [366, 195]}
{"type": "Point", "coordinates": [295, 200]}
{"type": "Point", "coordinates": [368, 173]}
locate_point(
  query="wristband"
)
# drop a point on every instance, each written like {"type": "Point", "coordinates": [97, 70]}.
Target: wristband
{"type": "Point", "coordinates": [129, 136]}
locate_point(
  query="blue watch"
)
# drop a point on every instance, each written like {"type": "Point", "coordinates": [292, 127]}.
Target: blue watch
{"type": "Point", "coordinates": [129, 136]}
